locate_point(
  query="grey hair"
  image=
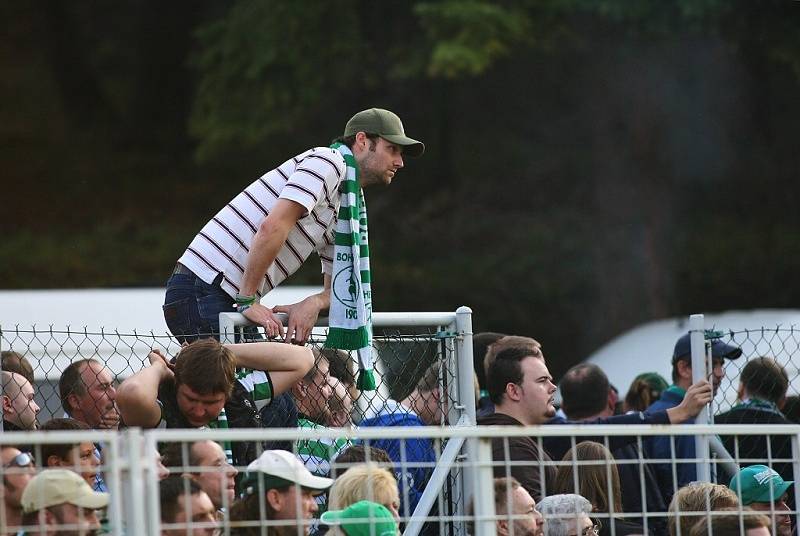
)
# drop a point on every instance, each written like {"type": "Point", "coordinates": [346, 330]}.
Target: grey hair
{"type": "Point", "coordinates": [559, 511]}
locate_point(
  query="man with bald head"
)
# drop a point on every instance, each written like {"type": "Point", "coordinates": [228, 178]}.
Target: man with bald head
{"type": "Point", "coordinates": [19, 408]}
{"type": "Point", "coordinates": [86, 389]}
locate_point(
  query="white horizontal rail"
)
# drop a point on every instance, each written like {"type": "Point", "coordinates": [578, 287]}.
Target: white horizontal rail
{"type": "Point", "coordinates": [49, 437]}
{"type": "Point", "coordinates": [394, 319]}
{"type": "Point", "coordinates": [433, 432]}
{"type": "Point", "coordinates": [440, 432]}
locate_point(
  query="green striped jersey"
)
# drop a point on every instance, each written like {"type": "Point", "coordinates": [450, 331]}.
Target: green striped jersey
{"type": "Point", "coordinates": [258, 384]}
{"type": "Point", "coordinates": [316, 454]}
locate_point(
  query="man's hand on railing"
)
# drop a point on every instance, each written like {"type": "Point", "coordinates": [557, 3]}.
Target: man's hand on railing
{"type": "Point", "coordinates": [264, 316]}
{"type": "Point", "coordinates": [697, 396]}
{"type": "Point", "coordinates": [302, 318]}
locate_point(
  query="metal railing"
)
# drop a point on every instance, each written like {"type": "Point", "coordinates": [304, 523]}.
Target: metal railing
{"type": "Point", "coordinates": [135, 507]}
{"type": "Point", "coordinates": [455, 332]}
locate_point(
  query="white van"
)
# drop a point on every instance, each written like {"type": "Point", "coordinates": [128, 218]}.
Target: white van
{"type": "Point", "coordinates": [649, 347]}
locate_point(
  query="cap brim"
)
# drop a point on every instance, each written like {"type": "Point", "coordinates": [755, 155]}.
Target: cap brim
{"type": "Point", "coordinates": [313, 482]}
{"type": "Point", "coordinates": [93, 500]}
{"type": "Point", "coordinates": [727, 351]}
{"type": "Point", "coordinates": [777, 492]}
{"type": "Point", "coordinates": [719, 350]}
{"type": "Point", "coordinates": [332, 517]}
{"type": "Point", "coordinates": [410, 146]}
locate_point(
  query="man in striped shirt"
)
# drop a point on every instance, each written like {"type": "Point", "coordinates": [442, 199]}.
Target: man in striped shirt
{"type": "Point", "coordinates": [266, 232]}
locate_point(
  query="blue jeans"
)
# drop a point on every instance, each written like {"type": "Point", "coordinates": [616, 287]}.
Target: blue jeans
{"type": "Point", "coordinates": [192, 307]}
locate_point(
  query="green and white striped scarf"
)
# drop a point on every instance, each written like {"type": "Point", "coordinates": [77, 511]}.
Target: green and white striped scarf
{"type": "Point", "coordinates": [350, 316]}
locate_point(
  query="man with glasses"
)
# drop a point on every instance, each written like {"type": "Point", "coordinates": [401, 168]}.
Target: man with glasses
{"type": "Point", "coordinates": [17, 472]}
{"type": "Point", "coordinates": [568, 514]}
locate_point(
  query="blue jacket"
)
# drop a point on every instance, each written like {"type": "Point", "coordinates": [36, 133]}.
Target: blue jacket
{"type": "Point", "coordinates": [407, 454]}
{"type": "Point", "coordinates": [659, 447]}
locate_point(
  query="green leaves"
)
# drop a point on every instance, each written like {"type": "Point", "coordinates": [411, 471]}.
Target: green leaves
{"type": "Point", "coordinates": [466, 37]}
{"type": "Point", "coordinates": [264, 66]}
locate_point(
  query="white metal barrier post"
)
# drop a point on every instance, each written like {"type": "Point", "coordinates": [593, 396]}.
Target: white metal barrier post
{"type": "Point", "coordinates": [796, 472]}
{"type": "Point", "coordinates": [460, 394]}
{"type": "Point", "coordinates": [483, 476]}
{"type": "Point", "coordinates": [153, 502]}
{"type": "Point", "coordinates": [113, 477]}
{"type": "Point", "coordinates": [467, 402]}
{"type": "Point", "coordinates": [699, 372]}
{"type": "Point", "coordinates": [134, 486]}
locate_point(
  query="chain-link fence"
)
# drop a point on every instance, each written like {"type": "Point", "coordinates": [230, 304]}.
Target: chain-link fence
{"type": "Point", "coordinates": [417, 371]}
{"type": "Point", "coordinates": [402, 359]}
{"type": "Point", "coordinates": [782, 344]}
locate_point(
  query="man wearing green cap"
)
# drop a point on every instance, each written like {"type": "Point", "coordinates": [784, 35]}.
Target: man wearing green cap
{"type": "Point", "coordinates": [763, 489]}
{"type": "Point", "coordinates": [364, 518]}
{"type": "Point", "coordinates": [266, 232]}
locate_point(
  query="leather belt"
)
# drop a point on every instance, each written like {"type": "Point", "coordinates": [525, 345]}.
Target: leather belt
{"type": "Point", "coordinates": [182, 270]}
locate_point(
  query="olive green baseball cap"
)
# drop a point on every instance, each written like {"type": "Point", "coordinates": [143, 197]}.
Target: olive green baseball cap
{"type": "Point", "coordinates": [385, 124]}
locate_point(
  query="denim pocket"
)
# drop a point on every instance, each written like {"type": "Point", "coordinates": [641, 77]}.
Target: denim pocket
{"type": "Point", "coordinates": [211, 304]}
{"type": "Point", "coordinates": [181, 316]}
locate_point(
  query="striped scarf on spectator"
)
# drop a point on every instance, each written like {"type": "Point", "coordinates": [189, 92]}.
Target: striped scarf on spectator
{"type": "Point", "coordinates": [350, 316]}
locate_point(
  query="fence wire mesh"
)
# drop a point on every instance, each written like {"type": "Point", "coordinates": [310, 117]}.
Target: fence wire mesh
{"type": "Point", "coordinates": [780, 344]}
{"type": "Point", "coordinates": [414, 366]}
{"type": "Point", "coordinates": [197, 496]}
{"type": "Point", "coordinates": [423, 361]}
{"type": "Point", "coordinates": [45, 353]}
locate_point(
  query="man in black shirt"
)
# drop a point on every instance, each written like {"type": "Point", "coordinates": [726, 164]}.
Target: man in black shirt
{"type": "Point", "coordinates": [762, 391]}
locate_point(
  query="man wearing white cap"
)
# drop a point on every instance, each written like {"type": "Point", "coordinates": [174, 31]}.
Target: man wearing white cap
{"type": "Point", "coordinates": [59, 502]}
{"type": "Point", "coordinates": [288, 490]}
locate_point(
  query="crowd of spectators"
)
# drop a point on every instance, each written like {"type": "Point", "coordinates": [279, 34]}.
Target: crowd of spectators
{"type": "Point", "coordinates": [595, 484]}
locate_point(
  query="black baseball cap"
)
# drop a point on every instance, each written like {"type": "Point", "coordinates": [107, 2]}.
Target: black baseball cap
{"type": "Point", "coordinates": [719, 349]}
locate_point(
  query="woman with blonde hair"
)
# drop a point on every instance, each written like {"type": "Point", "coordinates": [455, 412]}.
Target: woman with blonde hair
{"type": "Point", "coordinates": [691, 502]}
{"type": "Point", "coordinates": [364, 482]}
{"type": "Point", "coordinates": [597, 482]}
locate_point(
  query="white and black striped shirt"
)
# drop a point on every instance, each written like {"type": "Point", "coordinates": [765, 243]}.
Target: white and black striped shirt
{"type": "Point", "coordinates": [311, 179]}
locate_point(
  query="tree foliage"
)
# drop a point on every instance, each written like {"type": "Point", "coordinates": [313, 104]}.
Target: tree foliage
{"type": "Point", "coordinates": [590, 164]}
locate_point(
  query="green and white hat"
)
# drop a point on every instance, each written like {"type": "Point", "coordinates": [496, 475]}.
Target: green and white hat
{"type": "Point", "coordinates": [759, 483]}
{"type": "Point", "coordinates": [364, 518]}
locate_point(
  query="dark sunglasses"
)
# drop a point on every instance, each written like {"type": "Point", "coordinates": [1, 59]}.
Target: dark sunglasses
{"type": "Point", "coordinates": [23, 459]}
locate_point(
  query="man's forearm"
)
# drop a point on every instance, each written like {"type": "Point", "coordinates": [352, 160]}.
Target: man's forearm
{"type": "Point", "coordinates": [323, 299]}
{"type": "Point", "coordinates": [271, 356]}
{"type": "Point", "coordinates": [146, 381]}
{"type": "Point", "coordinates": [138, 395]}
{"type": "Point", "coordinates": [678, 414]}
{"type": "Point", "coordinates": [266, 244]}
